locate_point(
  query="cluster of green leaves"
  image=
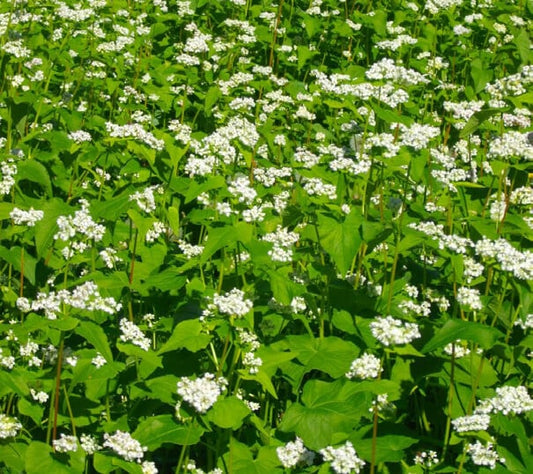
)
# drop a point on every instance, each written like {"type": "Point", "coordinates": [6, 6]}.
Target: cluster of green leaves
{"type": "Point", "coordinates": [350, 265]}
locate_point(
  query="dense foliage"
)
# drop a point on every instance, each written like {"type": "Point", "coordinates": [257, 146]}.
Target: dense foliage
{"type": "Point", "coordinates": [253, 237]}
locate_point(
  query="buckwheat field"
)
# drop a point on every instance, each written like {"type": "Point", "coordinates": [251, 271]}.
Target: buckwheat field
{"type": "Point", "coordinates": [256, 237]}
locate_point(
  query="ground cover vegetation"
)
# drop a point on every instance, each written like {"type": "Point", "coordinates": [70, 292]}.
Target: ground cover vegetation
{"type": "Point", "coordinates": [256, 237]}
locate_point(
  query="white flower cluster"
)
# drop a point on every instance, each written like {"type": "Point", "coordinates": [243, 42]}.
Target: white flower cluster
{"type": "Point", "coordinates": [471, 423]}
{"type": "Point", "coordinates": [85, 296]}
{"type": "Point", "coordinates": [368, 366]}
{"type": "Point", "coordinates": [294, 453]}
{"type": "Point", "coordinates": [190, 250]}
{"type": "Point", "coordinates": [388, 330]}
{"type": "Point", "coordinates": [344, 460]}
{"type": "Point", "coordinates": [155, 231]}
{"type": "Point", "coordinates": [511, 144]}
{"type": "Point", "coordinates": [136, 131]}
{"type": "Point", "coordinates": [29, 218]}
{"type": "Point", "coordinates": [191, 467]}
{"type": "Point", "coordinates": [458, 348]}
{"type": "Point", "coordinates": [526, 323]}
{"type": "Point", "coordinates": [109, 256]}
{"type": "Point", "coordinates": [146, 199]}
{"type": "Point", "coordinates": [65, 444]}
{"type": "Point", "coordinates": [508, 400]}
{"type": "Point", "coordinates": [469, 297]}
{"type": "Point", "coordinates": [9, 426]}
{"type": "Point", "coordinates": [484, 455]}
{"type": "Point", "coordinates": [80, 136]}
{"type": "Point", "coordinates": [89, 444]}
{"type": "Point", "coordinates": [427, 459]}
{"type": "Point", "coordinates": [232, 303]}
{"type": "Point", "coordinates": [317, 187]}
{"type": "Point", "coordinates": [202, 392]}
{"type": "Point", "coordinates": [81, 223]}
{"type": "Point", "coordinates": [124, 445]}
{"type": "Point", "coordinates": [8, 170]}
{"type": "Point", "coordinates": [434, 6]}
{"type": "Point", "coordinates": [241, 188]}
{"type": "Point", "coordinates": [510, 259]}
{"type": "Point", "coordinates": [132, 333]}
{"type": "Point", "coordinates": [41, 397]}
{"type": "Point", "coordinates": [385, 69]}
{"type": "Point", "coordinates": [283, 241]}
{"type": "Point", "coordinates": [251, 343]}
{"type": "Point", "coordinates": [417, 135]}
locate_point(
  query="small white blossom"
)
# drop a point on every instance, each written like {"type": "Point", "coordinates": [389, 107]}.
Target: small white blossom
{"type": "Point", "coordinates": [484, 455]}
{"type": "Point", "coordinates": [201, 392]}
{"type": "Point", "coordinates": [294, 453]}
{"type": "Point", "coordinates": [368, 366]}
{"type": "Point", "coordinates": [388, 330]}
{"type": "Point", "coordinates": [66, 444]}
{"type": "Point", "coordinates": [124, 445]}
{"type": "Point", "coordinates": [344, 460]}
{"type": "Point", "coordinates": [131, 333]}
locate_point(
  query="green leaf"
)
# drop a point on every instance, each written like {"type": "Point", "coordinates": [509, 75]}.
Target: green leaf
{"type": "Point", "coordinates": [105, 463]}
{"type": "Point", "coordinates": [477, 119]}
{"type": "Point", "coordinates": [240, 460]}
{"type": "Point", "coordinates": [331, 354]}
{"type": "Point", "coordinates": [157, 430]}
{"type": "Point", "coordinates": [12, 455]}
{"type": "Point", "coordinates": [341, 240]}
{"type": "Point", "coordinates": [455, 329]}
{"type": "Point", "coordinates": [36, 172]}
{"type": "Point", "coordinates": [150, 360]}
{"type": "Point", "coordinates": [327, 409]}
{"type": "Point", "coordinates": [391, 443]}
{"type": "Point", "coordinates": [14, 256]}
{"type": "Point", "coordinates": [95, 335]}
{"type": "Point", "coordinates": [228, 413]}
{"type": "Point", "coordinates": [187, 335]}
{"type": "Point", "coordinates": [225, 236]}
{"type": "Point", "coordinates": [47, 227]}
{"type": "Point", "coordinates": [211, 98]}
{"type": "Point", "coordinates": [39, 459]}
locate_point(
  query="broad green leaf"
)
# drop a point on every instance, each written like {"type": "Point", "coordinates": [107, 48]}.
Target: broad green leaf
{"type": "Point", "coordinates": [36, 172]}
{"type": "Point", "coordinates": [150, 360]}
{"type": "Point", "coordinates": [327, 409]}
{"type": "Point", "coordinates": [228, 412]}
{"type": "Point", "coordinates": [455, 329]}
{"type": "Point", "coordinates": [477, 119]}
{"type": "Point", "coordinates": [225, 236]}
{"type": "Point", "coordinates": [95, 335]}
{"type": "Point", "coordinates": [341, 240]}
{"type": "Point", "coordinates": [187, 335]}
{"type": "Point", "coordinates": [47, 227]}
{"type": "Point", "coordinates": [13, 455]}
{"type": "Point", "coordinates": [331, 354]}
{"type": "Point", "coordinates": [391, 443]}
{"type": "Point", "coordinates": [106, 463]}
{"type": "Point", "coordinates": [15, 256]}
{"type": "Point", "coordinates": [39, 459]}
{"type": "Point", "coordinates": [158, 430]}
{"type": "Point", "coordinates": [240, 460]}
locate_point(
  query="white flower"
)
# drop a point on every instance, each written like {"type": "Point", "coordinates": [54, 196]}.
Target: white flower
{"type": "Point", "coordinates": [124, 445]}
{"type": "Point", "coordinates": [9, 426]}
{"type": "Point", "coordinates": [293, 453]}
{"type": "Point", "coordinates": [508, 400]}
{"type": "Point", "coordinates": [89, 444]}
{"type": "Point", "coordinates": [469, 297]}
{"type": "Point", "coordinates": [131, 333]}
{"type": "Point", "coordinates": [149, 467]}
{"type": "Point", "coordinates": [29, 218]}
{"type": "Point", "coordinates": [484, 455]}
{"type": "Point", "coordinates": [471, 423]}
{"type": "Point", "coordinates": [233, 303]}
{"type": "Point", "coordinates": [393, 331]}
{"type": "Point", "coordinates": [41, 397]}
{"type": "Point", "coordinates": [99, 360]}
{"type": "Point", "coordinates": [202, 392]}
{"type": "Point", "coordinates": [427, 459]}
{"type": "Point", "coordinates": [367, 366]}
{"type": "Point", "coordinates": [80, 136]}
{"type": "Point", "coordinates": [344, 460]}
{"type": "Point", "coordinates": [67, 443]}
